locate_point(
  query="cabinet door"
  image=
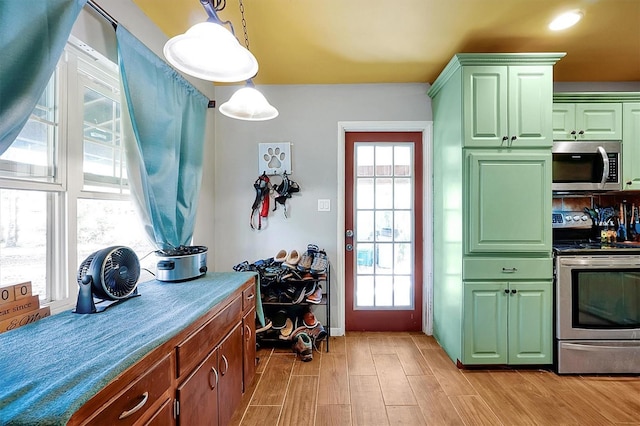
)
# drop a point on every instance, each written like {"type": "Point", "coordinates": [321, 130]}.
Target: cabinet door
{"type": "Point", "coordinates": [484, 91]}
{"type": "Point", "coordinates": [631, 146]}
{"type": "Point", "coordinates": [485, 323]}
{"type": "Point", "coordinates": [230, 374]}
{"type": "Point", "coordinates": [198, 394]}
{"type": "Point", "coordinates": [599, 121]}
{"type": "Point", "coordinates": [530, 323]}
{"type": "Point", "coordinates": [509, 202]}
{"type": "Point", "coordinates": [530, 98]}
{"type": "Point", "coordinates": [564, 122]}
{"type": "Point", "coordinates": [249, 349]}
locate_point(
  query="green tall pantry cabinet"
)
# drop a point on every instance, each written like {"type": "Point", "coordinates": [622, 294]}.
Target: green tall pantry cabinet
{"type": "Point", "coordinates": [492, 208]}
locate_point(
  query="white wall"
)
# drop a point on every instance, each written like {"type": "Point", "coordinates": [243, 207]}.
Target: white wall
{"type": "Point", "coordinates": [309, 117]}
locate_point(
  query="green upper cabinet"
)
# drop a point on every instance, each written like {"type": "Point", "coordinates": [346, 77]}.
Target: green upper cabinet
{"type": "Point", "coordinates": [507, 106]}
{"type": "Point", "coordinates": [509, 201]}
{"type": "Point", "coordinates": [587, 121]}
{"type": "Point", "coordinates": [631, 146]}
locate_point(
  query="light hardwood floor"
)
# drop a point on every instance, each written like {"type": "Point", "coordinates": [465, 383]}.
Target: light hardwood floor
{"type": "Point", "coordinates": [407, 379]}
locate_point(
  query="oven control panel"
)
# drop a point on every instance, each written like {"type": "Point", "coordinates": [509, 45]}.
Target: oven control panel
{"type": "Point", "coordinates": [570, 219]}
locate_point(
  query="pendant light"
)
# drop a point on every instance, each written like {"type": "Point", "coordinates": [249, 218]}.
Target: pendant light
{"type": "Point", "coordinates": [248, 103]}
{"type": "Point", "coordinates": [211, 52]}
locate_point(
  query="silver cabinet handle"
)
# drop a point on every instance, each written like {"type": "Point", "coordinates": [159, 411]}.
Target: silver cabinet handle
{"type": "Point", "coordinates": [213, 385]}
{"type": "Point", "coordinates": [226, 365]}
{"type": "Point", "coordinates": [250, 296]}
{"type": "Point", "coordinates": [125, 414]}
{"type": "Point", "coordinates": [509, 270]}
{"type": "Point", "coordinates": [248, 333]}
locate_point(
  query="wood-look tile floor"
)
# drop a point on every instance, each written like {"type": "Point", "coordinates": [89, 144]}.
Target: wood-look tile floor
{"type": "Point", "coordinates": [407, 379]}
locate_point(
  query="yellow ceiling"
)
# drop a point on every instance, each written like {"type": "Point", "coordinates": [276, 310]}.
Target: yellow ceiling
{"type": "Point", "coordinates": [375, 41]}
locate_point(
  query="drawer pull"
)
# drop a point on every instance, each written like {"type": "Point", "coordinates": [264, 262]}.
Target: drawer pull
{"type": "Point", "coordinates": [250, 296]}
{"type": "Point", "coordinates": [509, 270]}
{"type": "Point", "coordinates": [125, 414]}
{"type": "Point", "coordinates": [215, 381]}
{"type": "Point", "coordinates": [226, 365]}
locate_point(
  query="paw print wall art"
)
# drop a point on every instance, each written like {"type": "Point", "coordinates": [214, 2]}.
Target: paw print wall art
{"type": "Point", "coordinates": [274, 158]}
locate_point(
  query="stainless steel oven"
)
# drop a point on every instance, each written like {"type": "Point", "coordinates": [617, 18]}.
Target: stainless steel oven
{"type": "Point", "coordinates": [598, 311]}
{"type": "Point", "coordinates": [597, 300]}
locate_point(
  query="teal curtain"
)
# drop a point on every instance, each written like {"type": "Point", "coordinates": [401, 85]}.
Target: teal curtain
{"type": "Point", "coordinates": [164, 155]}
{"type": "Point", "coordinates": [33, 34]}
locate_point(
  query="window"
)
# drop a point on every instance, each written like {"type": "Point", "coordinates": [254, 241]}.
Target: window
{"type": "Point", "coordinates": [63, 183]}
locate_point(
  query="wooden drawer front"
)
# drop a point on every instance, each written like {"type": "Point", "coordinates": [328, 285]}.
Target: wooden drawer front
{"type": "Point", "coordinates": [194, 349]}
{"type": "Point", "coordinates": [248, 298]}
{"type": "Point", "coordinates": [164, 415]}
{"type": "Point", "coordinates": [506, 269]}
{"type": "Point", "coordinates": [134, 402]}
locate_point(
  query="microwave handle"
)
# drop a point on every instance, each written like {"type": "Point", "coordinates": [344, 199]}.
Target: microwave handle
{"type": "Point", "coordinates": [605, 166]}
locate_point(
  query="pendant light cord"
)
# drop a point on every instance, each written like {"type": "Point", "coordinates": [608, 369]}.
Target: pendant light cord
{"type": "Point", "coordinates": [244, 25]}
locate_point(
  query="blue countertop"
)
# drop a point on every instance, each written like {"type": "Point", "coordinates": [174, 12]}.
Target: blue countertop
{"type": "Point", "coordinates": [50, 368]}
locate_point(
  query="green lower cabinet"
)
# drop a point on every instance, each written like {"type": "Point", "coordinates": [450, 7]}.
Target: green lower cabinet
{"type": "Point", "coordinates": [507, 323]}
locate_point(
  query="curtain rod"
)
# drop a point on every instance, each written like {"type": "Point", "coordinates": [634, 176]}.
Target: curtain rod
{"type": "Point", "coordinates": [102, 12]}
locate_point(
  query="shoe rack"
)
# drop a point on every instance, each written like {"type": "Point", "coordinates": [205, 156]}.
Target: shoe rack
{"type": "Point", "coordinates": [294, 311]}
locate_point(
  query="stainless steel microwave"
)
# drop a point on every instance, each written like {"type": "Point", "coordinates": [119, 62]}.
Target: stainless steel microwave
{"type": "Point", "coordinates": [587, 166]}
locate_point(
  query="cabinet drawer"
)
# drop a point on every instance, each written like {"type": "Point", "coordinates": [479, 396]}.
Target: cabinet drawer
{"type": "Point", "coordinates": [248, 298]}
{"type": "Point", "coordinates": [134, 402]}
{"type": "Point", "coordinates": [195, 347]}
{"type": "Point", "coordinates": [506, 269]}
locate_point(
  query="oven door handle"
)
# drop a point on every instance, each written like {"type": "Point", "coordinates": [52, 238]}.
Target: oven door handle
{"type": "Point", "coordinates": [594, 261]}
{"type": "Point", "coordinates": [605, 166]}
{"type": "Point", "coordinates": [595, 348]}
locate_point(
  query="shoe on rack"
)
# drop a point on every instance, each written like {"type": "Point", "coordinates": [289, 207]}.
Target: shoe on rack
{"type": "Point", "coordinates": [292, 259]}
{"type": "Point", "coordinates": [291, 275]}
{"type": "Point", "coordinates": [285, 332]}
{"type": "Point", "coordinates": [309, 289]}
{"type": "Point", "coordinates": [317, 333]}
{"type": "Point", "coordinates": [316, 297]}
{"type": "Point", "coordinates": [303, 346]}
{"type": "Point", "coordinates": [320, 263]}
{"type": "Point", "coordinates": [305, 262]}
{"type": "Point", "coordinates": [309, 320]}
{"type": "Point", "coordinates": [281, 256]}
{"type": "Point", "coordinates": [279, 320]}
{"type": "Point", "coordinates": [267, 325]}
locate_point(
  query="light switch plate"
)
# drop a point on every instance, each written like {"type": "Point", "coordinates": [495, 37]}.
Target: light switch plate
{"type": "Point", "coordinates": [324, 205]}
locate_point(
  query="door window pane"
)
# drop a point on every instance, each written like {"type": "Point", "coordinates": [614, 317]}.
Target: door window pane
{"type": "Point", "coordinates": [384, 215]}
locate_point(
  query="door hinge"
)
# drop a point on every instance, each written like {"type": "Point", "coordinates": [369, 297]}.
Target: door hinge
{"type": "Point", "coordinates": [176, 409]}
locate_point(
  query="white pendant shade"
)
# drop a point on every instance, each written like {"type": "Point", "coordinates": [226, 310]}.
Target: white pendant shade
{"type": "Point", "coordinates": [248, 104]}
{"type": "Point", "coordinates": [211, 52]}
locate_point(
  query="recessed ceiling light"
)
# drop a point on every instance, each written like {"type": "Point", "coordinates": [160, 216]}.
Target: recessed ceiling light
{"type": "Point", "coordinates": [566, 20]}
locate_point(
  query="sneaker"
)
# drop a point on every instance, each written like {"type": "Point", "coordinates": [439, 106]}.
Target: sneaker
{"type": "Point", "coordinates": [267, 325]}
{"type": "Point", "coordinates": [285, 332]}
{"type": "Point", "coordinates": [317, 333]}
{"type": "Point", "coordinates": [303, 346]}
{"type": "Point", "coordinates": [316, 297]}
{"type": "Point", "coordinates": [309, 289]}
{"type": "Point", "coordinates": [279, 319]}
{"type": "Point", "coordinates": [320, 263]}
{"type": "Point", "coordinates": [305, 262]}
{"type": "Point", "coordinates": [309, 320]}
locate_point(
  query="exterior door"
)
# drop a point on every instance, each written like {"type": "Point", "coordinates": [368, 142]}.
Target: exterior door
{"type": "Point", "coordinates": [383, 231]}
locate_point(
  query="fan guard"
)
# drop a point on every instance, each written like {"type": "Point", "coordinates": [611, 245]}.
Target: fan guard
{"type": "Point", "coordinates": [106, 277]}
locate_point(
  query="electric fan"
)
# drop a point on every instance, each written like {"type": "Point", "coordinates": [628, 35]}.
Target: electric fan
{"type": "Point", "coordinates": [109, 276]}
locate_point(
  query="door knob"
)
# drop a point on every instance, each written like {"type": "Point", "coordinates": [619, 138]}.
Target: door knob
{"type": "Point", "coordinates": [349, 233]}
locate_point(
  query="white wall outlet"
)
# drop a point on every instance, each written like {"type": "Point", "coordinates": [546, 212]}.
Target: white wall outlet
{"type": "Point", "coordinates": [324, 205]}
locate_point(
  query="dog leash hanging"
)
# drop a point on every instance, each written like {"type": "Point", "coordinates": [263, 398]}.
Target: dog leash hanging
{"type": "Point", "coordinates": [260, 204]}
